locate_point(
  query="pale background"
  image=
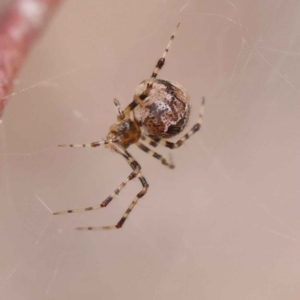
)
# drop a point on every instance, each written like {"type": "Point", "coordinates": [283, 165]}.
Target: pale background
{"type": "Point", "coordinates": [224, 224]}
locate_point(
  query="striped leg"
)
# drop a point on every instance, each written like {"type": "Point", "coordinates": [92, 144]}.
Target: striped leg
{"type": "Point", "coordinates": [156, 155]}
{"type": "Point", "coordinates": [136, 167]}
{"type": "Point", "coordinates": [162, 60]}
{"type": "Point", "coordinates": [149, 141]}
{"type": "Point", "coordinates": [127, 212]}
{"type": "Point", "coordinates": [94, 144]}
{"type": "Point", "coordinates": [138, 100]}
{"type": "Point", "coordinates": [181, 141]}
{"type": "Point", "coordinates": [105, 202]}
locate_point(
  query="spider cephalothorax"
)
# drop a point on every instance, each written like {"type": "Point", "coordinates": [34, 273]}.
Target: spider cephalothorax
{"type": "Point", "coordinates": [159, 110]}
{"type": "Point", "coordinates": [126, 132]}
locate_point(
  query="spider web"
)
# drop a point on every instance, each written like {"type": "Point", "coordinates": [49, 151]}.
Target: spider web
{"type": "Point", "coordinates": [223, 224]}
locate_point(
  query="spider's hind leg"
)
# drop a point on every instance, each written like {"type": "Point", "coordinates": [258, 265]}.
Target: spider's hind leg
{"type": "Point", "coordinates": [156, 155]}
{"type": "Point", "coordinates": [162, 60]}
{"type": "Point", "coordinates": [160, 63]}
{"type": "Point", "coordinates": [182, 140]}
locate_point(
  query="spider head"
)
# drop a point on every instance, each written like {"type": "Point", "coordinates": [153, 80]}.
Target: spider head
{"type": "Point", "coordinates": [127, 131]}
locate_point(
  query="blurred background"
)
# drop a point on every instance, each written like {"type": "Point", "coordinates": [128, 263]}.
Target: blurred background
{"type": "Point", "coordinates": [224, 224]}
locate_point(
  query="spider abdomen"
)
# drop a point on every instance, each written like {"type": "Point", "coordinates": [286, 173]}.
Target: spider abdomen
{"type": "Point", "coordinates": [165, 112]}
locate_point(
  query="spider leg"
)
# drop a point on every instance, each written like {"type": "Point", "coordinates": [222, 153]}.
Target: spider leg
{"type": "Point", "coordinates": [105, 202]}
{"type": "Point", "coordinates": [94, 144]}
{"type": "Point", "coordinates": [160, 63]}
{"type": "Point", "coordinates": [138, 99]}
{"type": "Point", "coordinates": [156, 155]}
{"type": "Point", "coordinates": [181, 141]}
{"type": "Point", "coordinates": [149, 141]}
{"type": "Point", "coordinates": [162, 60]}
{"type": "Point", "coordinates": [136, 167]}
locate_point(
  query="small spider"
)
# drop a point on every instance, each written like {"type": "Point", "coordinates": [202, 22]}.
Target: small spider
{"type": "Point", "coordinates": [160, 111]}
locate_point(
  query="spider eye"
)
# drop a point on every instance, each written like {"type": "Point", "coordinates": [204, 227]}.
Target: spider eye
{"type": "Point", "coordinates": [123, 126]}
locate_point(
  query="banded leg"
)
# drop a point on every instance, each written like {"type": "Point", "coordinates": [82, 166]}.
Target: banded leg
{"type": "Point", "coordinates": [136, 167]}
{"type": "Point", "coordinates": [181, 141]}
{"type": "Point", "coordinates": [162, 60]}
{"type": "Point", "coordinates": [156, 155]}
{"type": "Point", "coordinates": [149, 141]}
{"type": "Point", "coordinates": [105, 202]}
{"type": "Point", "coordinates": [138, 99]}
{"type": "Point", "coordinates": [94, 144]}
{"type": "Point", "coordinates": [160, 63]}
{"type": "Point", "coordinates": [127, 212]}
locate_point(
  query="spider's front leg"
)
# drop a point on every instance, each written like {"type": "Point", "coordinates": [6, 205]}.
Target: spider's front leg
{"type": "Point", "coordinates": [93, 144]}
{"type": "Point", "coordinates": [105, 202]}
{"type": "Point", "coordinates": [112, 195]}
{"type": "Point", "coordinates": [136, 169]}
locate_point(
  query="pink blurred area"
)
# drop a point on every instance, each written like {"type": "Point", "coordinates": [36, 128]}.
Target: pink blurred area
{"type": "Point", "coordinates": [21, 22]}
{"type": "Point", "coordinates": [224, 224]}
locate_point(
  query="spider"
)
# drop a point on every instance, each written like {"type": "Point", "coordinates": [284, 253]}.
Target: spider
{"type": "Point", "coordinates": [160, 110]}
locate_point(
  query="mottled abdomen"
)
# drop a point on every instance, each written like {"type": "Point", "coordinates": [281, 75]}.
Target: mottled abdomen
{"type": "Point", "coordinates": [165, 112]}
